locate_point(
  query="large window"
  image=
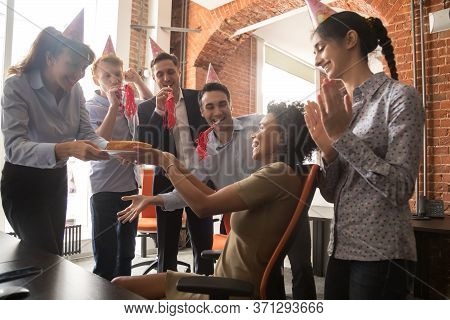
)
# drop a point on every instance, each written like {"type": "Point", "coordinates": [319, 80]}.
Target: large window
{"type": "Point", "coordinates": [286, 78]}
{"type": "Point", "coordinates": [3, 10]}
{"type": "Point", "coordinates": [2, 35]}
{"type": "Point", "coordinates": [29, 18]}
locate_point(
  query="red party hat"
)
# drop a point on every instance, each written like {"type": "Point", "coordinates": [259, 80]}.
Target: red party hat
{"type": "Point", "coordinates": [109, 48]}
{"type": "Point", "coordinates": [156, 49]}
{"type": "Point", "coordinates": [75, 30]}
{"type": "Point", "coordinates": [212, 75]}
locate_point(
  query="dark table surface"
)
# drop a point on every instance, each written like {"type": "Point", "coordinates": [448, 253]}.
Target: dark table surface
{"type": "Point", "coordinates": [435, 225]}
{"type": "Point", "coordinates": [61, 279]}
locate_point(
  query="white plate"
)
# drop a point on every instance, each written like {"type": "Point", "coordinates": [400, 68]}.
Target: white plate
{"type": "Point", "coordinates": [114, 152]}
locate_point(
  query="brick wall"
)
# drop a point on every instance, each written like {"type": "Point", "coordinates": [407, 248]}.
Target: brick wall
{"type": "Point", "coordinates": [239, 75]}
{"type": "Point", "coordinates": [438, 120]}
{"type": "Point", "coordinates": [176, 37]}
{"type": "Point", "coordinates": [139, 15]}
{"type": "Point", "coordinates": [139, 37]}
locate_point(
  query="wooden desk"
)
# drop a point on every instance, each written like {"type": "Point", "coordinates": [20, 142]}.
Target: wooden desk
{"type": "Point", "coordinates": [60, 280]}
{"type": "Point", "coordinates": [433, 258]}
{"type": "Point", "coordinates": [434, 225]}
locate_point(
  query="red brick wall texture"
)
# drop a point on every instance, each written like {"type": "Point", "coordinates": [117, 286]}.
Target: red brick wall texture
{"type": "Point", "coordinates": [139, 37]}
{"type": "Point", "coordinates": [235, 62]}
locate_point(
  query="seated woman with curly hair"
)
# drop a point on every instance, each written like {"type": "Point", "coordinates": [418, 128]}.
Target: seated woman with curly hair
{"type": "Point", "coordinates": [262, 204]}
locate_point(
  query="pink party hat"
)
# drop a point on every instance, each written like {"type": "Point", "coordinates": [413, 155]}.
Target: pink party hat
{"type": "Point", "coordinates": [109, 48]}
{"type": "Point", "coordinates": [156, 49]}
{"type": "Point", "coordinates": [318, 11]}
{"type": "Point", "coordinates": [203, 138]}
{"type": "Point", "coordinates": [75, 30]}
{"type": "Point", "coordinates": [212, 75]}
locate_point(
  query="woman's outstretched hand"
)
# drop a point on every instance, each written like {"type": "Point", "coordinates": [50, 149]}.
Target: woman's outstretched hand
{"type": "Point", "coordinates": [138, 204]}
{"type": "Point", "coordinates": [82, 149]}
{"type": "Point", "coordinates": [142, 156]}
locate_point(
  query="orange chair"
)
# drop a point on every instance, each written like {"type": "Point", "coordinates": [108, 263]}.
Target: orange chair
{"type": "Point", "coordinates": [147, 226]}
{"type": "Point", "coordinates": [269, 288]}
{"type": "Point", "coordinates": [272, 282]}
{"type": "Point", "coordinates": [219, 239]}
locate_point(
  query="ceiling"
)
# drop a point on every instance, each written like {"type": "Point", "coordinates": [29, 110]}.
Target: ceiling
{"type": "Point", "coordinates": [212, 4]}
{"type": "Point", "coordinates": [291, 35]}
{"type": "Point", "coordinates": [289, 32]}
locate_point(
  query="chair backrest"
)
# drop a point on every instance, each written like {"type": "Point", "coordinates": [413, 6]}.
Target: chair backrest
{"type": "Point", "coordinates": [272, 278]}
{"type": "Point", "coordinates": [147, 190]}
{"type": "Point", "coordinates": [219, 239]}
{"type": "Point", "coordinates": [227, 222]}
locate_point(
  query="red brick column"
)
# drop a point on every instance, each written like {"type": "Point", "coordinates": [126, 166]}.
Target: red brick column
{"type": "Point", "coordinates": [139, 37]}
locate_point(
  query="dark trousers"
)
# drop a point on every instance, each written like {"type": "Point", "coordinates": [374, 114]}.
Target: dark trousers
{"type": "Point", "coordinates": [350, 279]}
{"type": "Point", "coordinates": [299, 254]}
{"type": "Point", "coordinates": [169, 226]}
{"type": "Point", "coordinates": [113, 242]}
{"type": "Point", "coordinates": [35, 203]}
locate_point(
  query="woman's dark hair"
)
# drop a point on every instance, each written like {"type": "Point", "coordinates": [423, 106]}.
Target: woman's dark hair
{"type": "Point", "coordinates": [297, 144]}
{"type": "Point", "coordinates": [52, 41]}
{"type": "Point", "coordinates": [371, 33]}
{"type": "Point", "coordinates": [213, 86]}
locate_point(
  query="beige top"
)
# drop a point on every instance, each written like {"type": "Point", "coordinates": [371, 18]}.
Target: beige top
{"type": "Point", "coordinates": [272, 195]}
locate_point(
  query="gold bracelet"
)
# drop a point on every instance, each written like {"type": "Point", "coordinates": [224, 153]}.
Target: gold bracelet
{"type": "Point", "coordinates": [170, 165]}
